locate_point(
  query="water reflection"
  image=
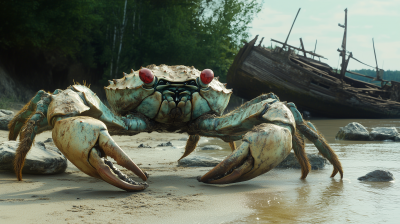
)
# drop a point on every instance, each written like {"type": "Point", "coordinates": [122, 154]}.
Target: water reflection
{"type": "Point", "coordinates": [303, 192]}
{"type": "Point", "coordinates": [378, 185]}
{"type": "Point", "coordinates": [283, 198]}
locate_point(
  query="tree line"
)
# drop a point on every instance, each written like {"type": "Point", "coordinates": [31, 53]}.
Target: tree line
{"type": "Point", "coordinates": [115, 36]}
{"type": "Point", "coordinates": [387, 75]}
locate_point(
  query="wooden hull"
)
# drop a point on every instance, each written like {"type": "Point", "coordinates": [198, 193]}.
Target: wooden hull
{"type": "Point", "coordinates": [257, 70]}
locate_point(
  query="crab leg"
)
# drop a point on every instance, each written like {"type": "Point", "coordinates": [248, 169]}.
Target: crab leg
{"type": "Point", "coordinates": [232, 145]}
{"type": "Point", "coordinates": [190, 145]}
{"type": "Point", "coordinates": [272, 124]}
{"type": "Point", "coordinates": [311, 133]}
{"type": "Point", "coordinates": [29, 122]}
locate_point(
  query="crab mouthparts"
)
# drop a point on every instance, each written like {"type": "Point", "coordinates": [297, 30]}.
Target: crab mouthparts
{"type": "Point", "coordinates": [176, 112]}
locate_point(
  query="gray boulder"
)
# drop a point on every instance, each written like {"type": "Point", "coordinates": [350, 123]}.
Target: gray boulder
{"type": "Point", "coordinates": [5, 117]}
{"type": "Point", "coordinates": [203, 161]}
{"type": "Point", "coordinates": [4, 122]}
{"type": "Point", "coordinates": [377, 176]}
{"type": "Point", "coordinates": [353, 131]}
{"type": "Point", "coordinates": [317, 162]}
{"type": "Point", "coordinates": [383, 133]}
{"type": "Point", "coordinates": [43, 158]}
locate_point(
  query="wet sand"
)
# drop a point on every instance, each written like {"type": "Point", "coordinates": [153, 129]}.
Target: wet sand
{"type": "Point", "coordinates": [174, 195]}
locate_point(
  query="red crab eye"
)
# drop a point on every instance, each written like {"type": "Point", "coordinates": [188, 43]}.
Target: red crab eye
{"type": "Point", "coordinates": [146, 75]}
{"type": "Point", "coordinates": [206, 76]}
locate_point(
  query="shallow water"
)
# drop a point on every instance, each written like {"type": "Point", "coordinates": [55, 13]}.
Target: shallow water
{"type": "Point", "coordinates": [284, 198]}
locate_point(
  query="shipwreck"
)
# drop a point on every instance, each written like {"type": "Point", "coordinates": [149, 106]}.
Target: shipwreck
{"type": "Point", "coordinates": [312, 85]}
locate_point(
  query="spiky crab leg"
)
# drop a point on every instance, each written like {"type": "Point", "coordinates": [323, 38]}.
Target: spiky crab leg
{"type": "Point", "coordinates": [311, 133]}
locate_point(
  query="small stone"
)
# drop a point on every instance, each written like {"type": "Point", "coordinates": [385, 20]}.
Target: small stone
{"type": "Point", "coordinates": [144, 146]}
{"type": "Point", "coordinates": [383, 133]}
{"type": "Point", "coordinates": [183, 139]}
{"type": "Point", "coordinates": [6, 113]}
{"type": "Point", "coordinates": [48, 140]}
{"type": "Point", "coordinates": [196, 161]}
{"type": "Point", "coordinates": [165, 144]}
{"type": "Point", "coordinates": [377, 176]}
{"type": "Point", "coordinates": [40, 159]}
{"type": "Point", "coordinates": [4, 122]}
{"type": "Point", "coordinates": [211, 147]}
{"type": "Point", "coordinates": [317, 162]}
{"type": "Point", "coordinates": [353, 131]}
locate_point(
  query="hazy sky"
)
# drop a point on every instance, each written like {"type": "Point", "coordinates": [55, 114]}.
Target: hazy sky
{"type": "Point", "coordinates": [318, 20]}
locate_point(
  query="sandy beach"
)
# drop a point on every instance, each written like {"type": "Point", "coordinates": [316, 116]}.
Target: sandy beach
{"type": "Point", "coordinates": [174, 195]}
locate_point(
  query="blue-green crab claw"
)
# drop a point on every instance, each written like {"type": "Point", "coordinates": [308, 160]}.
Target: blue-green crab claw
{"type": "Point", "coordinates": [263, 148]}
{"type": "Point", "coordinates": [86, 143]}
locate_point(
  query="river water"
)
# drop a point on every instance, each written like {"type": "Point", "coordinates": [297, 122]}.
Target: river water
{"type": "Point", "coordinates": [285, 198]}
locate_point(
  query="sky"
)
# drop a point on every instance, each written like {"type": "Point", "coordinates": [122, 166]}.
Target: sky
{"type": "Point", "coordinates": [318, 20]}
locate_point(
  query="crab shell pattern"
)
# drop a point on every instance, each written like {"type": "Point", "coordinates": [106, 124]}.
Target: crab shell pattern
{"type": "Point", "coordinates": [189, 100]}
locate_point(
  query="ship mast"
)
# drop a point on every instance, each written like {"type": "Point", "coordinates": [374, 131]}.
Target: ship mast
{"type": "Point", "coordinates": [284, 45]}
{"type": "Point", "coordinates": [343, 51]}
{"type": "Point", "coordinates": [379, 72]}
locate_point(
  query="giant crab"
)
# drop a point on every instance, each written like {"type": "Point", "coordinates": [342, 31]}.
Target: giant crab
{"type": "Point", "coordinates": [166, 99]}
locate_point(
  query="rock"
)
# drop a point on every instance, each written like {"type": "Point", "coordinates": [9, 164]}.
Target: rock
{"type": "Point", "coordinates": [306, 114]}
{"type": "Point", "coordinates": [203, 161]}
{"type": "Point", "coordinates": [397, 138]}
{"type": "Point", "coordinates": [4, 113]}
{"type": "Point", "coordinates": [5, 117]}
{"type": "Point", "coordinates": [41, 159]}
{"type": "Point", "coordinates": [183, 139]}
{"type": "Point", "coordinates": [49, 144]}
{"type": "Point", "coordinates": [4, 122]}
{"type": "Point", "coordinates": [144, 146]}
{"type": "Point", "coordinates": [48, 140]}
{"type": "Point", "coordinates": [377, 176]}
{"type": "Point", "coordinates": [165, 144]}
{"type": "Point", "coordinates": [353, 131]}
{"type": "Point", "coordinates": [211, 147]}
{"type": "Point", "coordinates": [317, 162]}
{"type": "Point", "coordinates": [383, 133]}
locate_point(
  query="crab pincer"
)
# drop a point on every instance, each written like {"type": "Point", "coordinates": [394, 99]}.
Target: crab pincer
{"type": "Point", "coordinates": [86, 143]}
{"type": "Point", "coordinates": [263, 148]}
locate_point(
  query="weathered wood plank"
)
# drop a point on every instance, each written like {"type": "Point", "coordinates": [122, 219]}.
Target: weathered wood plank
{"type": "Point", "coordinates": [308, 52]}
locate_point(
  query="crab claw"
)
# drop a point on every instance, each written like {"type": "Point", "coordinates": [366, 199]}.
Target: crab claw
{"type": "Point", "coordinates": [263, 148]}
{"type": "Point", "coordinates": [86, 143]}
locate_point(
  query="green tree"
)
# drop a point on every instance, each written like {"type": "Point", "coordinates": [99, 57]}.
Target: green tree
{"type": "Point", "coordinates": [115, 36]}
{"type": "Point", "coordinates": [48, 25]}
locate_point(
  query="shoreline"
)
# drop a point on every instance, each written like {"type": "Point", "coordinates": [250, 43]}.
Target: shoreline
{"type": "Point", "coordinates": [174, 194]}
